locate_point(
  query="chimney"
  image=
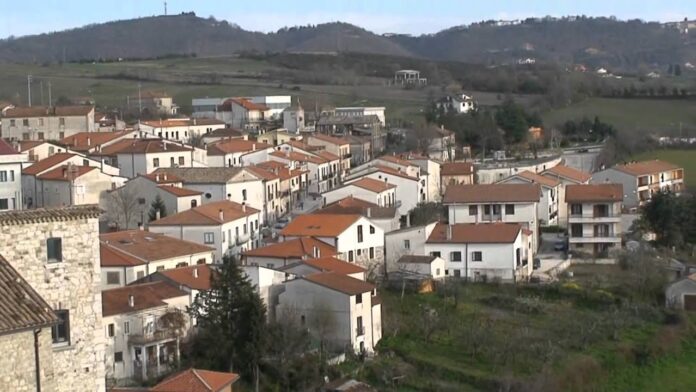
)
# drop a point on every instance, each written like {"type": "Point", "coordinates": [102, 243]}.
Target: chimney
{"type": "Point", "coordinates": [164, 146]}
{"type": "Point", "coordinates": [165, 176]}
{"type": "Point", "coordinates": [157, 214]}
{"type": "Point", "coordinates": [449, 232]}
{"type": "Point", "coordinates": [369, 212]}
{"type": "Point", "coordinates": [316, 253]}
{"type": "Point", "coordinates": [89, 141]}
{"type": "Point", "coordinates": [243, 206]}
{"type": "Point", "coordinates": [131, 301]}
{"type": "Point", "coordinates": [156, 177]}
{"type": "Point", "coordinates": [221, 214]}
{"type": "Point", "coordinates": [195, 121]}
{"type": "Point", "coordinates": [195, 272]}
{"type": "Point", "coordinates": [253, 147]}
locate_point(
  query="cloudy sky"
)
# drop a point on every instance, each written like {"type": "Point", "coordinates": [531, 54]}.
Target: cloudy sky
{"type": "Point", "coordinates": [381, 16]}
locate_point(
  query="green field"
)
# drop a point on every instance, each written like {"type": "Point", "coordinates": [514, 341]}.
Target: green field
{"type": "Point", "coordinates": [579, 335]}
{"type": "Point", "coordinates": [683, 158]}
{"type": "Point", "coordinates": [632, 116]}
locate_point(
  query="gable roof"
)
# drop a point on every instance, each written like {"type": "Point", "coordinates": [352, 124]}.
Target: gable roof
{"type": "Point", "coordinates": [21, 306]}
{"type": "Point", "coordinates": [352, 205]}
{"type": "Point", "coordinates": [145, 296]}
{"type": "Point", "coordinates": [44, 111]}
{"type": "Point", "coordinates": [295, 248]}
{"type": "Point", "coordinates": [282, 170]}
{"type": "Point", "coordinates": [483, 193]}
{"type": "Point", "coordinates": [394, 172]}
{"type": "Point", "coordinates": [47, 163]}
{"type": "Point", "coordinates": [137, 247]}
{"type": "Point", "coordinates": [224, 132]}
{"type": "Point", "coordinates": [646, 167]}
{"type": "Point", "coordinates": [196, 277]}
{"type": "Point", "coordinates": [456, 168]}
{"type": "Point", "coordinates": [230, 146]}
{"type": "Point", "coordinates": [569, 173]}
{"type": "Point", "coordinates": [65, 173]}
{"type": "Point", "coordinates": [473, 233]}
{"type": "Point", "coordinates": [6, 148]}
{"type": "Point", "coordinates": [161, 178]}
{"type": "Point", "coordinates": [196, 380]}
{"type": "Point", "coordinates": [535, 178]}
{"type": "Point", "coordinates": [340, 282]}
{"type": "Point", "coordinates": [25, 145]}
{"type": "Point", "coordinates": [179, 192]}
{"type": "Point", "coordinates": [208, 214]}
{"type": "Point", "coordinates": [593, 192]}
{"type": "Point", "coordinates": [339, 141]}
{"type": "Point", "coordinates": [151, 146]}
{"type": "Point", "coordinates": [372, 185]}
{"type": "Point", "coordinates": [415, 259]}
{"type": "Point", "coordinates": [264, 173]}
{"type": "Point", "coordinates": [182, 122]}
{"type": "Point", "coordinates": [327, 155]}
{"type": "Point", "coordinates": [84, 141]}
{"type": "Point", "coordinates": [319, 225]}
{"type": "Point", "coordinates": [298, 156]}
{"type": "Point", "coordinates": [333, 264]}
{"type": "Point", "coordinates": [201, 175]}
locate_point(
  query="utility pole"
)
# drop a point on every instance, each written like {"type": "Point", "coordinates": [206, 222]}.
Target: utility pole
{"type": "Point", "coordinates": [140, 101]}
{"type": "Point", "coordinates": [50, 101]}
{"type": "Point", "coordinates": [29, 89]}
{"type": "Point", "coordinates": [165, 8]}
{"type": "Point", "coordinates": [41, 89]}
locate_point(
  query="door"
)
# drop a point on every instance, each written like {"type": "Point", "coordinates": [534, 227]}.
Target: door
{"type": "Point", "coordinates": [690, 302]}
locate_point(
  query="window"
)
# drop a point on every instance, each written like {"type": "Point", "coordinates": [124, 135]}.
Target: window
{"type": "Point", "coordinates": [407, 244]}
{"type": "Point", "coordinates": [437, 272]}
{"type": "Point", "coordinates": [140, 274]}
{"type": "Point", "coordinates": [155, 162]}
{"type": "Point", "coordinates": [496, 209]}
{"type": "Point", "coordinates": [518, 257]}
{"type": "Point", "coordinates": [113, 277]}
{"type": "Point", "coordinates": [194, 203]}
{"type": "Point", "coordinates": [25, 136]}
{"type": "Point", "coordinates": [61, 135]}
{"type": "Point", "coordinates": [60, 332]}
{"type": "Point", "coordinates": [141, 200]}
{"type": "Point", "coordinates": [208, 238]}
{"type": "Point", "coordinates": [509, 209]}
{"type": "Point", "coordinates": [358, 299]}
{"type": "Point", "coordinates": [41, 121]}
{"type": "Point", "coordinates": [126, 327]}
{"type": "Point", "coordinates": [435, 254]}
{"type": "Point", "coordinates": [118, 356]}
{"type": "Point", "coordinates": [181, 161]}
{"type": "Point", "coordinates": [171, 162]}
{"type": "Point", "coordinates": [350, 255]}
{"type": "Point", "coordinates": [182, 264]}
{"type": "Point", "coordinates": [360, 330]}
{"type": "Point", "coordinates": [576, 209]}
{"type": "Point", "coordinates": [359, 252]}
{"type": "Point", "coordinates": [25, 122]}
{"type": "Point", "coordinates": [3, 176]}
{"type": "Point", "coordinates": [455, 256]}
{"type": "Point", "coordinates": [476, 256]}
{"type": "Point", "coordinates": [360, 233]}
{"type": "Point", "coordinates": [223, 236]}
{"type": "Point", "coordinates": [41, 136]}
{"type": "Point", "coordinates": [4, 204]}
{"type": "Point", "coordinates": [487, 209]}
{"type": "Point", "coordinates": [576, 230]}
{"type": "Point", "coordinates": [372, 252]}
{"type": "Point", "coordinates": [61, 121]}
{"type": "Point", "coordinates": [160, 268]}
{"type": "Point", "coordinates": [54, 250]}
{"type": "Point", "coordinates": [244, 194]}
{"type": "Point", "coordinates": [12, 123]}
{"type": "Point", "coordinates": [12, 177]}
{"type": "Point", "coordinates": [473, 210]}
{"type": "Point", "coordinates": [372, 229]}
{"type": "Point", "coordinates": [110, 330]}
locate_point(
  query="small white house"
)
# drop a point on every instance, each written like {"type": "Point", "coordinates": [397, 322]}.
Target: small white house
{"type": "Point", "coordinates": [281, 254]}
{"type": "Point", "coordinates": [325, 264]}
{"type": "Point", "coordinates": [143, 156]}
{"type": "Point", "coordinates": [406, 241]}
{"type": "Point", "coordinates": [11, 162]}
{"type": "Point", "coordinates": [548, 206]}
{"type": "Point", "coordinates": [422, 266]}
{"type": "Point", "coordinates": [368, 189]}
{"type": "Point", "coordinates": [71, 185]}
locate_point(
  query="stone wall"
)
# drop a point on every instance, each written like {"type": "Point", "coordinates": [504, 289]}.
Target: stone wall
{"type": "Point", "coordinates": [72, 284]}
{"type": "Point", "coordinates": [17, 363]}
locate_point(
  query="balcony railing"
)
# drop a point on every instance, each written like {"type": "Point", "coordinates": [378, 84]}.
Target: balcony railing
{"type": "Point", "coordinates": [242, 238]}
{"type": "Point", "coordinates": [147, 338]}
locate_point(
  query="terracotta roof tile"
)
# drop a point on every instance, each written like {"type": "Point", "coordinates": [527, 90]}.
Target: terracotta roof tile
{"type": "Point", "coordinates": [196, 277]}
{"type": "Point", "coordinates": [65, 173]}
{"type": "Point", "coordinates": [179, 192]}
{"type": "Point", "coordinates": [151, 146]}
{"type": "Point", "coordinates": [482, 233]}
{"type": "Point", "coordinates": [6, 148]}
{"type": "Point", "coordinates": [394, 172]}
{"type": "Point", "coordinates": [492, 193]}
{"type": "Point", "coordinates": [195, 380]}
{"type": "Point", "coordinates": [298, 156]}
{"type": "Point", "coordinates": [201, 175]}
{"type": "Point", "coordinates": [327, 155]}
{"type": "Point", "coordinates": [26, 145]}
{"type": "Point", "coordinates": [162, 178]}
{"type": "Point", "coordinates": [84, 141]}
{"type": "Point", "coordinates": [593, 192]}
{"type": "Point", "coordinates": [182, 122]}
{"type": "Point", "coordinates": [208, 214]}
{"type": "Point", "coordinates": [568, 173]}
{"type": "Point", "coordinates": [145, 296]}
{"type": "Point", "coordinates": [340, 282]}
{"type": "Point", "coordinates": [536, 178]}
{"type": "Point", "coordinates": [113, 149]}
{"type": "Point", "coordinates": [333, 264]}
{"type": "Point", "coordinates": [57, 214]}
{"type": "Point", "coordinates": [295, 249]}
{"type": "Point", "coordinates": [21, 307]}
{"type": "Point", "coordinates": [247, 104]}
{"type": "Point", "coordinates": [47, 163]}
{"type": "Point", "coordinates": [137, 247]}
{"type": "Point", "coordinates": [339, 141]}
{"type": "Point", "coordinates": [43, 111]}
{"type": "Point", "coordinates": [372, 185]}
{"type": "Point", "coordinates": [229, 146]}
{"type": "Point", "coordinates": [264, 173]}
{"type": "Point", "coordinates": [456, 168]}
{"type": "Point", "coordinates": [319, 225]}
{"type": "Point", "coordinates": [351, 205]}
{"type": "Point", "coordinates": [646, 167]}
{"type": "Point", "coordinates": [415, 259]}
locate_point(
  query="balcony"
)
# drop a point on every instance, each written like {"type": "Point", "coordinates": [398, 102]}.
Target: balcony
{"type": "Point", "coordinates": [152, 337]}
{"type": "Point", "coordinates": [598, 237]}
{"type": "Point", "coordinates": [242, 238]}
{"type": "Point", "coordinates": [595, 218]}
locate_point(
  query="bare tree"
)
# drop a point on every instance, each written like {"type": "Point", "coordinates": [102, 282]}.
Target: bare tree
{"type": "Point", "coordinates": [122, 205]}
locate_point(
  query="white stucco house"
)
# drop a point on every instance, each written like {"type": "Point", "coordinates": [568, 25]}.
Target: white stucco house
{"type": "Point", "coordinates": [291, 251]}
{"type": "Point", "coordinates": [548, 206]}
{"type": "Point", "coordinates": [428, 266]}
{"type": "Point", "coordinates": [11, 162]}
{"type": "Point", "coordinates": [368, 189]}
{"type": "Point", "coordinates": [594, 219]}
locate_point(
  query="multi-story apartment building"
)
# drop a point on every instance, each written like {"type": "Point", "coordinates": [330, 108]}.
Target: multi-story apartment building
{"type": "Point", "coordinates": [565, 175]}
{"type": "Point", "coordinates": [338, 146]}
{"type": "Point", "coordinates": [11, 162]}
{"type": "Point", "coordinates": [488, 203]}
{"type": "Point", "coordinates": [56, 251]}
{"type": "Point", "coordinates": [47, 123]}
{"type": "Point", "coordinates": [641, 180]}
{"type": "Point", "coordinates": [594, 217]}
{"type": "Point", "coordinates": [547, 209]}
{"type": "Point", "coordinates": [143, 156]}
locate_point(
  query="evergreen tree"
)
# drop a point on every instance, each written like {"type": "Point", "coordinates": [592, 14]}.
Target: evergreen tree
{"type": "Point", "coordinates": [232, 324]}
{"type": "Point", "coordinates": [512, 118]}
{"type": "Point", "coordinates": [157, 205]}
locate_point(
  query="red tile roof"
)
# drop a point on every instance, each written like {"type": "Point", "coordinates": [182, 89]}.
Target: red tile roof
{"type": "Point", "coordinates": [327, 155]}
{"type": "Point", "coordinates": [150, 146]}
{"type": "Point", "coordinates": [162, 178]}
{"type": "Point", "coordinates": [6, 148]}
{"type": "Point", "coordinates": [456, 169]}
{"type": "Point", "coordinates": [247, 104]}
{"type": "Point", "coordinates": [568, 172]}
{"type": "Point", "coordinates": [492, 193]}
{"type": "Point", "coordinates": [340, 282]}
{"type": "Point", "coordinates": [351, 205]}
{"type": "Point", "coordinates": [43, 111]}
{"type": "Point", "coordinates": [333, 264]}
{"type": "Point", "coordinates": [263, 173]}
{"type": "Point", "coordinates": [297, 156]}
{"type": "Point", "coordinates": [372, 185]}
{"type": "Point", "coordinates": [646, 167]}
{"type": "Point", "coordinates": [482, 233]}
{"type": "Point", "coordinates": [208, 214]}
{"type": "Point", "coordinates": [196, 277]}
{"type": "Point", "coordinates": [229, 146]}
{"type": "Point", "coordinates": [182, 122]}
{"type": "Point", "coordinates": [113, 148]}
{"type": "Point", "coordinates": [196, 380]}
{"type": "Point", "coordinates": [47, 163]}
{"type": "Point", "coordinates": [282, 169]}
{"type": "Point", "coordinates": [339, 141]}
{"type": "Point", "coordinates": [25, 145]}
{"type": "Point", "coordinates": [394, 172]}
{"type": "Point", "coordinates": [536, 178]}
{"type": "Point", "coordinates": [145, 296]}
{"type": "Point", "coordinates": [320, 225]}
{"type": "Point", "coordinates": [137, 247]}
{"type": "Point", "coordinates": [293, 249]}
{"type": "Point", "coordinates": [579, 193]}
{"type": "Point", "coordinates": [84, 141]}
{"type": "Point", "coordinates": [179, 192]}
{"type": "Point", "coordinates": [65, 173]}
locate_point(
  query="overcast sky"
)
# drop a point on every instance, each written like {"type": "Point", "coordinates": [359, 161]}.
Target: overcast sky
{"type": "Point", "coordinates": [381, 16]}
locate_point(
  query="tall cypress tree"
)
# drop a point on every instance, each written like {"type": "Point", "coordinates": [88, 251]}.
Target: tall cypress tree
{"type": "Point", "coordinates": [157, 205]}
{"type": "Point", "coordinates": [232, 324]}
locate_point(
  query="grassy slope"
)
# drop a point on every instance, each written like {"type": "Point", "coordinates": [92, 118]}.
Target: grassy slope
{"type": "Point", "coordinates": [630, 115]}
{"type": "Point", "coordinates": [684, 158]}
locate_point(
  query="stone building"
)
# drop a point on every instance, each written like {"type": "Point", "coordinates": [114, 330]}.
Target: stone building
{"type": "Point", "coordinates": [57, 252]}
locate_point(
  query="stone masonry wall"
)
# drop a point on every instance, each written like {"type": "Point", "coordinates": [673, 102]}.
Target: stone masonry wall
{"type": "Point", "coordinates": [17, 362]}
{"type": "Point", "coordinates": [73, 285]}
